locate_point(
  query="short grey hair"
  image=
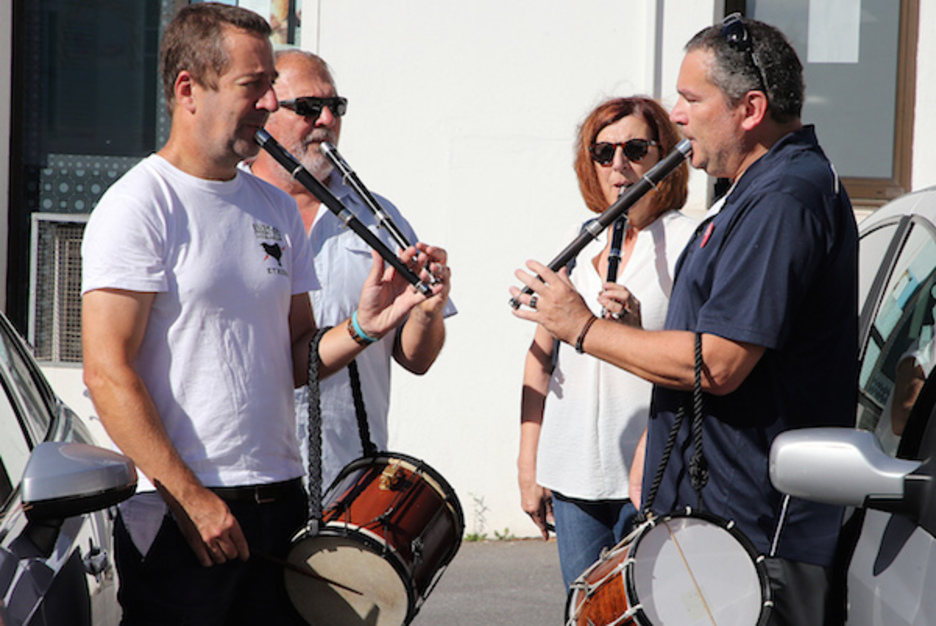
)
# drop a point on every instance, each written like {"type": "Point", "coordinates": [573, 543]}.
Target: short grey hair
{"type": "Point", "coordinates": [733, 72]}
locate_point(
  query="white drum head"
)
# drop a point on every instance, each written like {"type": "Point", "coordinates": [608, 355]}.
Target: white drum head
{"type": "Point", "coordinates": [384, 597]}
{"type": "Point", "coordinates": [690, 571]}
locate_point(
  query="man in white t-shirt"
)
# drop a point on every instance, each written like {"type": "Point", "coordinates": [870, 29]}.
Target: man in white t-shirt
{"type": "Point", "coordinates": [196, 328]}
{"type": "Point", "coordinates": [310, 113]}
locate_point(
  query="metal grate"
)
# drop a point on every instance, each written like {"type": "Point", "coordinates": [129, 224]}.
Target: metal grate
{"type": "Point", "coordinates": [55, 289]}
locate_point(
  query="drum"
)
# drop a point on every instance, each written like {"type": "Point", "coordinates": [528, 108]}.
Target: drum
{"type": "Point", "coordinates": [390, 526]}
{"type": "Point", "coordinates": [686, 568]}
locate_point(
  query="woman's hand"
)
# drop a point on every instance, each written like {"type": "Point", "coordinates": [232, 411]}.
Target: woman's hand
{"type": "Point", "coordinates": [537, 503]}
{"type": "Point", "coordinates": [620, 305]}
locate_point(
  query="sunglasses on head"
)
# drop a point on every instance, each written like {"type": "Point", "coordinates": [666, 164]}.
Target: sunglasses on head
{"type": "Point", "coordinates": [736, 35]}
{"type": "Point", "coordinates": [634, 149]}
{"type": "Point", "coordinates": [311, 106]}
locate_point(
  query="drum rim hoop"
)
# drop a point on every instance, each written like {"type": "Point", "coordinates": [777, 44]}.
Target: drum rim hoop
{"type": "Point", "coordinates": [372, 544]}
{"type": "Point", "coordinates": [449, 496]}
{"type": "Point", "coordinates": [439, 485]}
{"type": "Point", "coordinates": [757, 559]}
{"type": "Point", "coordinates": [640, 617]}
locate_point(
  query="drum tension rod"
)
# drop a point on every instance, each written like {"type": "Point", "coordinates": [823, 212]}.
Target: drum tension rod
{"type": "Point", "coordinates": [417, 546]}
{"type": "Point", "coordinates": [383, 518]}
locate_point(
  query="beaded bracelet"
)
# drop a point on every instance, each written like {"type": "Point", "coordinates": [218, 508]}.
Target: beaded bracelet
{"type": "Point", "coordinates": [357, 333]}
{"type": "Point", "coordinates": [581, 338]}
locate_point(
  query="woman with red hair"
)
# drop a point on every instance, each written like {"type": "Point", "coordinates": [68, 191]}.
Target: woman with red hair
{"type": "Point", "coordinates": [581, 418]}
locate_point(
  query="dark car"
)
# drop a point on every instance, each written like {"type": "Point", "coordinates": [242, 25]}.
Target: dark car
{"type": "Point", "coordinates": [57, 493]}
{"type": "Point", "coordinates": [884, 468]}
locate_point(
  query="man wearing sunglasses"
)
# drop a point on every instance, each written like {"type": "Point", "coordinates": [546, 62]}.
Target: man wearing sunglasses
{"type": "Point", "coordinates": [311, 113]}
{"type": "Point", "coordinates": [769, 284]}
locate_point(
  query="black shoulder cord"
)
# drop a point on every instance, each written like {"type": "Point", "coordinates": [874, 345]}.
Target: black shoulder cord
{"type": "Point", "coordinates": [698, 469]}
{"type": "Point", "coordinates": [367, 446]}
{"type": "Point", "coordinates": [315, 432]}
{"type": "Point", "coordinates": [698, 466]}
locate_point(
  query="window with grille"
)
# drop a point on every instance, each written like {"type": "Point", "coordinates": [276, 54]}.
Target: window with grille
{"type": "Point", "coordinates": [55, 287]}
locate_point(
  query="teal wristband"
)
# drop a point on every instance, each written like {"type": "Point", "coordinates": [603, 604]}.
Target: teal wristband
{"type": "Point", "coordinates": [359, 331]}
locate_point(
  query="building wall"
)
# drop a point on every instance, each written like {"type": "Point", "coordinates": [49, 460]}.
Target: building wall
{"type": "Point", "coordinates": [465, 118]}
{"type": "Point", "coordinates": [924, 131]}
{"type": "Point", "coordinates": [464, 115]}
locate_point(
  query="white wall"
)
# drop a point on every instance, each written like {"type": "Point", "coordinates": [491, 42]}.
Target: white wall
{"type": "Point", "coordinates": [924, 131]}
{"type": "Point", "coordinates": [464, 115]}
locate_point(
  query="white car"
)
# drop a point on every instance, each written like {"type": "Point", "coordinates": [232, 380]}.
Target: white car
{"type": "Point", "coordinates": [884, 469]}
{"type": "Point", "coordinates": [57, 494]}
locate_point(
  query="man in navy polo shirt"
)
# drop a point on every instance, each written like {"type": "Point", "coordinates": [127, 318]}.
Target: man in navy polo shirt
{"type": "Point", "coordinates": [770, 284]}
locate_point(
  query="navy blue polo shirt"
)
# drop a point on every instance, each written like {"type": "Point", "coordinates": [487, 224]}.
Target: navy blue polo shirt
{"type": "Point", "coordinates": [776, 267]}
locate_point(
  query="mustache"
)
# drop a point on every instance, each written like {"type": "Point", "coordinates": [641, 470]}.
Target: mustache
{"type": "Point", "coordinates": [317, 136]}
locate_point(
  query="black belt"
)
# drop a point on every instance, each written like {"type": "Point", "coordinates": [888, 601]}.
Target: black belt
{"type": "Point", "coordinates": [261, 494]}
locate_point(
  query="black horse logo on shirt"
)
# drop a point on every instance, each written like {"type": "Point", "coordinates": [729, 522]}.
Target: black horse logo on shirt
{"type": "Point", "coordinates": [273, 250]}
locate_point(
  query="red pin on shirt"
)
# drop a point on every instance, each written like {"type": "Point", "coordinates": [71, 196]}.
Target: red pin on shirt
{"type": "Point", "coordinates": [708, 233]}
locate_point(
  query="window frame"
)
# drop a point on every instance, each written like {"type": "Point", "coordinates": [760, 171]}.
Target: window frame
{"type": "Point", "coordinates": [875, 192]}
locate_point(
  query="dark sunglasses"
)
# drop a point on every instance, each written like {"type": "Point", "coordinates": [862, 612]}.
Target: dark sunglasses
{"type": "Point", "coordinates": [634, 149]}
{"type": "Point", "coordinates": [736, 35]}
{"type": "Point", "coordinates": [311, 106]}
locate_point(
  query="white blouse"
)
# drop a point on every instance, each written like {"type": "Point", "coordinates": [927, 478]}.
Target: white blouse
{"type": "Point", "coordinates": [595, 412]}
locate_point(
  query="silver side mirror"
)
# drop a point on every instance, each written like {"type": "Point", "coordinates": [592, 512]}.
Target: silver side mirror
{"type": "Point", "coordinates": [66, 479]}
{"type": "Point", "coordinates": [840, 466]}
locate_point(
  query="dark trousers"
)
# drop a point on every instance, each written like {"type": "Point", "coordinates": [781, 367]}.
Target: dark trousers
{"type": "Point", "coordinates": [169, 586]}
{"type": "Point", "coordinates": [800, 593]}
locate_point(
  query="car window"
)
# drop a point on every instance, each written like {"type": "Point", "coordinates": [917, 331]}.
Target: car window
{"type": "Point", "coordinates": [24, 383]}
{"type": "Point", "coordinates": [899, 351]}
{"type": "Point", "coordinates": [874, 245]}
{"type": "Point", "coordinates": [14, 451]}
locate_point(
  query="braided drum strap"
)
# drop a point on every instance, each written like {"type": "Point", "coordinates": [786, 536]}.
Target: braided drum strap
{"type": "Point", "coordinates": [698, 466]}
{"type": "Point", "coordinates": [367, 445]}
{"type": "Point", "coordinates": [315, 428]}
{"type": "Point", "coordinates": [698, 469]}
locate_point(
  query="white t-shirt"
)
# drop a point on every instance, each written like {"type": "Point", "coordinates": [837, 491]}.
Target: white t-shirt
{"type": "Point", "coordinates": [224, 258]}
{"type": "Point", "coordinates": [343, 261]}
{"type": "Point", "coordinates": [595, 412]}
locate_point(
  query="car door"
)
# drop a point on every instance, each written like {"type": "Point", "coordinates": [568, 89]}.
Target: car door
{"type": "Point", "coordinates": [893, 563]}
{"type": "Point", "coordinates": [74, 583]}
{"type": "Point", "coordinates": [897, 275]}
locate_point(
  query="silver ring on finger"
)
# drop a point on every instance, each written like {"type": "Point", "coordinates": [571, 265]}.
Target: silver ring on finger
{"type": "Point", "coordinates": [533, 300]}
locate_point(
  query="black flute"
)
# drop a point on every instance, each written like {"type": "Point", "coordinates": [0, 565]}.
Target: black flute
{"type": "Point", "coordinates": [384, 220]}
{"type": "Point", "coordinates": [320, 191]}
{"type": "Point", "coordinates": [351, 179]}
{"type": "Point", "coordinates": [614, 255]}
{"type": "Point", "coordinates": [626, 200]}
